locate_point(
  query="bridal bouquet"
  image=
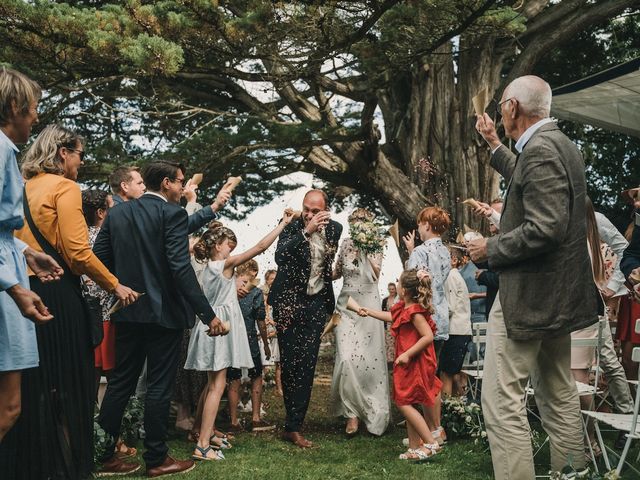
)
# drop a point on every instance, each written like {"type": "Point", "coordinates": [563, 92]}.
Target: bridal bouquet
{"type": "Point", "coordinates": [367, 237]}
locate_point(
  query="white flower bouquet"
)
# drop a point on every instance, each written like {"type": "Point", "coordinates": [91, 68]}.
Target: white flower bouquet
{"type": "Point", "coordinates": [367, 237]}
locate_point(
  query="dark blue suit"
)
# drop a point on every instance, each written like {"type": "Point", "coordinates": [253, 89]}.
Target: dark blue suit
{"type": "Point", "coordinates": [300, 318]}
{"type": "Point", "coordinates": [144, 242]}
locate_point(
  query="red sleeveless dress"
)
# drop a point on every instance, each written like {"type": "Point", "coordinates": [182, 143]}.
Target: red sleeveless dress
{"type": "Point", "coordinates": [415, 382]}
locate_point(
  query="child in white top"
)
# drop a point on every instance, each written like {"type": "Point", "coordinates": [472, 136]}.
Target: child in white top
{"type": "Point", "coordinates": [215, 354]}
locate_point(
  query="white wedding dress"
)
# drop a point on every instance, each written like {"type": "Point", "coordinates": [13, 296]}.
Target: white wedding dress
{"type": "Point", "coordinates": [360, 386]}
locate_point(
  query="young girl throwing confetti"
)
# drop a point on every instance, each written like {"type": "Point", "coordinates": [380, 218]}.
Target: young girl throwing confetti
{"type": "Point", "coordinates": [215, 354]}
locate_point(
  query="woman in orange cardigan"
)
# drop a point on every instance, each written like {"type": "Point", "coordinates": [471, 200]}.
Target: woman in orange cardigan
{"type": "Point", "coordinates": [55, 433]}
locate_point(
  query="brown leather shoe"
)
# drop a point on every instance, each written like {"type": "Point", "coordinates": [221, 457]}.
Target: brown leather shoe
{"type": "Point", "coordinates": [115, 466]}
{"type": "Point", "coordinates": [171, 466]}
{"type": "Point", "coordinates": [297, 439]}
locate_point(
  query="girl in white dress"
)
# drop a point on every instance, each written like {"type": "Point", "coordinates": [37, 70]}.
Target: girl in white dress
{"type": "Point", "coordinates": [215, 354]}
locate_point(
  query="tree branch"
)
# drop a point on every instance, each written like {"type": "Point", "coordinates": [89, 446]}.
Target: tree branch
{"type": "Point", "coordinates": [563, 29]}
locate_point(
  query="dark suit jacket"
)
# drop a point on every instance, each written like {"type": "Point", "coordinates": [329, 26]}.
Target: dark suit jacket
{"type": "Point", "coordinates": [197, 220]}
{"type": "Point", "coordinates": [541, 251]}
{"type": "Point", "coordinates": [631, 255]}
{"type": "Point", "coordinates": [201, 218]}
{"type": "Point", "coordinates": [293, 256]}
{"type": "Point", "coordinates": [144, 243]}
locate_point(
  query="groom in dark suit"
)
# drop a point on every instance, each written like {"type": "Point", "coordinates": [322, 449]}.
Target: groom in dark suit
{"type": "Point", "coordinates": [145, 242]}
{"type": "Point", "coordinates": [302, 300]}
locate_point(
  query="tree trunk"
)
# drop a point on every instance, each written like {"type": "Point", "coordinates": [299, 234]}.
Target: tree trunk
{"type": "Point", "coordinates": [431, 138]}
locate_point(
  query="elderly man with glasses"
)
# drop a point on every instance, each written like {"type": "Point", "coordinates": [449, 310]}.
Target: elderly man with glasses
{"type": "Point", "coordinates": [545, 279]}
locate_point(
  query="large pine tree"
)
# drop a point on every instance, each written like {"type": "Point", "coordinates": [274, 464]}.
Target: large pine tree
{"type": "Point", "coordinates": [372, 96]}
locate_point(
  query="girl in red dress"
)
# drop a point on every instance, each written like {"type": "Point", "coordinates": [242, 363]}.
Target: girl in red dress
{"type": "Point", "coordinates": [414, 368]}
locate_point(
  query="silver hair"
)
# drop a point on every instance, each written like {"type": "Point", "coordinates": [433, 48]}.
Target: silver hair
{"type": "Point", "coordinates": [533, 95]}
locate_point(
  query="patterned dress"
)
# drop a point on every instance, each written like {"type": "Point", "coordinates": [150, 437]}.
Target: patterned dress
{"type": "Point", "coordinates": [434, 257]}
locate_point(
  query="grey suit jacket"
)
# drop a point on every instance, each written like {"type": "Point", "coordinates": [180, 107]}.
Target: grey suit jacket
{"type": "Point", "coordinates": [546, 284]}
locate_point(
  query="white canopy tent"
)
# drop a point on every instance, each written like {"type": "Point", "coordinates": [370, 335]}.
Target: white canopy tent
{"type": "Point", "coordinates": [609, 99]}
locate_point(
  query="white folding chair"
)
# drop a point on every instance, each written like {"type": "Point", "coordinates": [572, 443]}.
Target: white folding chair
{"type": "Point", "coordinates": [622, 422]}
{"type": "Point", "coordinates": [474, 371]}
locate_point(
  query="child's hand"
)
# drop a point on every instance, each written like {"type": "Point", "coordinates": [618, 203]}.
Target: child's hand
{"type": "Point", "coordinates": [288, 216]}
{"type": "Point", "coordinates": [403, 359]}
{"type": "Point", "coordinates": [363, 312]}
{"type": "Point", "coordinates": [410, 240]}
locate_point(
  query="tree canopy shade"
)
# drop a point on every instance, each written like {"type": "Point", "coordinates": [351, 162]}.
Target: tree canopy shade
{"type": "Point", "coordinates": [372, 96]}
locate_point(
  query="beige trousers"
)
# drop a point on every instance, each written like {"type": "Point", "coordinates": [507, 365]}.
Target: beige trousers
{"type": "Point", "coordinates": [507, 367]}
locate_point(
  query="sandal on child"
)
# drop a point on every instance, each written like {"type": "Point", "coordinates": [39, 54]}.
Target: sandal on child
{"type": "Point", "coordinates": [220, 442]}
{"type": "Point", "coordinates": [202, 454]}
{"type": "Point", "coordinates": [433, 447]}
{"type": "Point", "coordinates": [227, 436]}
{"type": "Point", "coordinates": [416, 455]}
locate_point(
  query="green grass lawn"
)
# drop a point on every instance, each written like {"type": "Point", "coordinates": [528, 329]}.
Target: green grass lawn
{"type": "Point", "coordinates": [265, 456]}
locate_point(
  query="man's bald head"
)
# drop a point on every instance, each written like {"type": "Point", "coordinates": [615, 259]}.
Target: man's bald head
{"type": "Point", "coordinates": [533, 95]}
{"type": "Point", "coordinates": [314, 201]}
{"type": "Point", "coordinates": [316, 196]}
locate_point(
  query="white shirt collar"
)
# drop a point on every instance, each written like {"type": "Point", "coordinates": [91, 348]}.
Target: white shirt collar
{"type": "Point", "coordinates": [157, 195]}
{"type": "Point", "coordinates": [528, 133]}
{"type": "Point", "coordinates": [8, 140]}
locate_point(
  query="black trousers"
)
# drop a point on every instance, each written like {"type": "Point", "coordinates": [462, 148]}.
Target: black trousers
{"type": "Point", "coordinates": [160, 346]}
{"type": "Point", "coordinates": [300, 326]}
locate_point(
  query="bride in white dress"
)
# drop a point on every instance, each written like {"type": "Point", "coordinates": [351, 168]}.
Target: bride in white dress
{"type": "Point", "coordinates": [360, 385]}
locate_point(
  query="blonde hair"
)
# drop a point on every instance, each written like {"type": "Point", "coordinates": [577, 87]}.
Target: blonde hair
{"type": "Point", "coordinates": [43, 155]}
{"type": "Point", "coordinates": [16, 88]}
{"type": "Point", "coordinates": [249, 266]}
{"type": "Point", "coordinates": [417, 289]}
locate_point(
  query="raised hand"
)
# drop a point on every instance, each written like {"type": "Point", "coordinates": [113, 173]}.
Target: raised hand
{"type": "Point", "coordinates": [318, 221]}
{"type": "Point", "coordinates": [288, 216]}
{"type": "Point", "coordinates": [221, 199]}
{"type": "Point", "coordinates": [486, 128]}
{"type": "Point", "coordinates": [410, 241]}
{"type": "Point", "coordinates": [189, 192]}
{"type": "Point", "coordinates": [43, 265]}
{"type": "Point", "coordinates": [30, 304]}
